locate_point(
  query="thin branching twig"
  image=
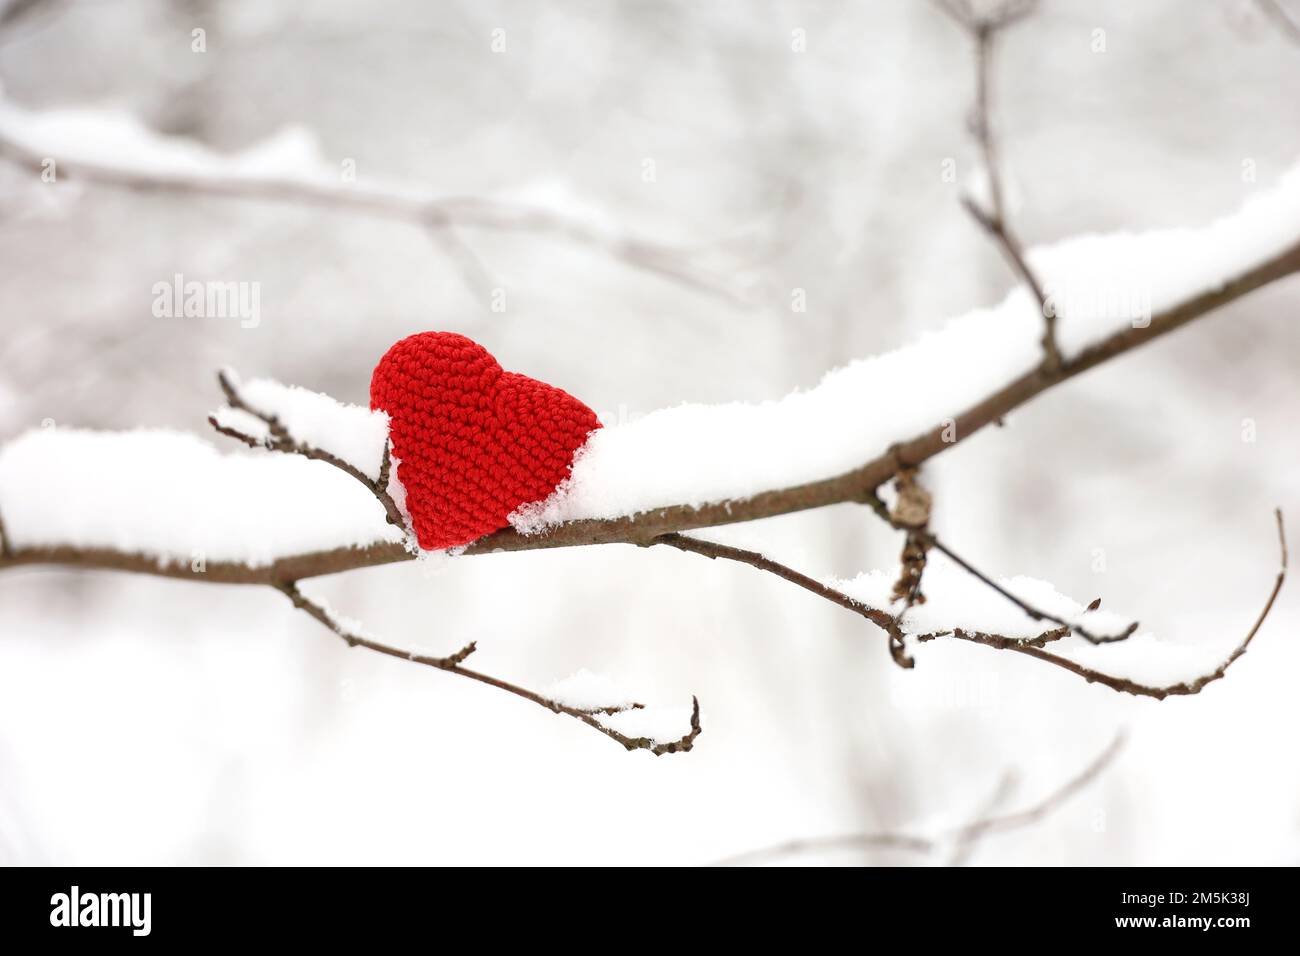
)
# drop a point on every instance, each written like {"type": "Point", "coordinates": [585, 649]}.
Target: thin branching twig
{"type": "Point", "coordinates": [984, 30]}
{"type": "Point", "coordinates": [1032, 646]}
{"type": "Point", "coordinates": [418, 207]}
{"type": "Point", "coordinates": [279, 439]}
{"type": "Point", "coordinates": [1286, 22]}
{"type": "Point", "coordinates": [711, 549]}
{"type": "Point", "coordinates": [1122, 684]}
{"type": "Point", "coordinates": [962, 838]}
{"type": "Point", "coordinates": [454, 664]}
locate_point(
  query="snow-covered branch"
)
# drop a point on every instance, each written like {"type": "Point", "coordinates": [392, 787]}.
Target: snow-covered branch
{"type": "Point", "coordinates": [829, 444]}
{"type": "Point", "coordinates": [589, 713]}
{"type": "Point", "coordinates": [301, 414]}
{"type": "Point", "coordinates": [168, 503]}
{"type": "Point", "coordinates": [114, 149]}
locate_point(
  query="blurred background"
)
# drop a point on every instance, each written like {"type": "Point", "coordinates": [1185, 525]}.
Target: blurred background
{"type": "Point", "coordinates": [784, 146]}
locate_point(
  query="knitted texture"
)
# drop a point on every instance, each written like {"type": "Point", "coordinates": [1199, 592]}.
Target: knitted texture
{"type": "Point", "coordinates": [473, 442]}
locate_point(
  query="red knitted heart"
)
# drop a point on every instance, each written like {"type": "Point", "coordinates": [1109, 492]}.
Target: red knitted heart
{"type": "Point", "coordinates": [473, 441]}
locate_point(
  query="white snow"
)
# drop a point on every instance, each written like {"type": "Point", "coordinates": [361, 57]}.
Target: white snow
{"type": "Point", "coordinates": [173, 495]}
{"type": "Point", "coordinates": [587, 691]}
{"type": "Point", "coordinates": [698, 454]}
{"type": "Point", "coordinates": [955, 599]}
{"type": "Point", "coordinates": [246, 423]}
{"type": "Point", "coordinates": [660, 724]}
{"type": "Point", "coordinates": [353, 433]}
{"type": "Point", "coordinates": [116, 140]}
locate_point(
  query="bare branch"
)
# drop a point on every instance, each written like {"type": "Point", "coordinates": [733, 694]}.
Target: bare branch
{"type": "Point", "coordinates": [984, 31]}
{"type": "Point", "coordinates": [966, 844]}
{"type": "Point", "coordinates": [424, 210]}
{"type": "Point", "coordinates": [962, 838]}
{"type": "Point", "coordinates": [4, 539]}
{"type": "Point", "coordinates": [710, 549]}
{"type": "Point", "coordinates": [281, 440]}
{"type": "Point", "coordinates": [1285, 21]}
{"type": "Point", "coordinates": [453, 664]}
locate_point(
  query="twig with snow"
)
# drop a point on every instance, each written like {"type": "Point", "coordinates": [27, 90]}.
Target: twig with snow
{"type": "Point", "coordinates": [454, 664]}
{"type": "Point", "coordinates": [641, 521]}
{"type": "Point", "coordinates": [713, 550]}
{"type": "Point", "coordinates": [929, 539]}
{"type": "Point", "coordinates": [1122, 684]}
{"type": "Point", "coordinates": [961, 839]}
{"type": "Point", "coordinates": [1034, 612]}
{"type": "Point", "coordinates": [277, 437]}
{"type": "Point", "coordinates": [133, 157]}
{"type": "Point", "coordinates": [1032, 646]}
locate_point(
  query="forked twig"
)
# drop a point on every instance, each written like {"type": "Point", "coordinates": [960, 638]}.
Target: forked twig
{"type": "Point", "coordinates": [279, 439]}
{"type": "Point", "coordinates": [1122, 684]}
{"type": "Point", "coordinates": [961, 838]}
{"type": "Point", "coordinates": [984, 29]}
{"type": "Point", "coordinates": [454, 664]}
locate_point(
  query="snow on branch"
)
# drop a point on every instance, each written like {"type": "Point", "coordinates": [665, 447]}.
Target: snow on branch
{"type": "Point", "coordinates": [174, 503]}
{"type": "Point", "coordinates": [113, 148]}
{"type": "Point", "coordinates": [961, 606]}
{"type": "Point", "coordinates": [560, 700]}
{"type": "Point", "coordinates": [1108, 286]}
{"type": "Point", "coordinates": [301, 422]}
{"type": "Point", "coordinates": [167, 503]}
{"type": "Point", "coordinates": [690, 466]}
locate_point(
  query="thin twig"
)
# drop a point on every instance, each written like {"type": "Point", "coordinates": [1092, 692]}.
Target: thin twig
{"type": "Point", "coordinates": [1032, 814]}
{"type": "Point", "coordinates": [931, 540]}
{"type": "Point", "coordinates": [1279, 15]}
{"type": "Point", "coordinates": [1033, 612]}
{"type": "Point", "coordinates": [4, 539]}
{"type": "Point", "coordinates": [1030, 646]}
{"type": "Point", "coordinates": [965, 844]}
{"type": "Point", "coordinates": [1122, 684]}
{"type": "Point", "coordinates": [711, 549]}
{"type": "Point", "coordinates": [418, 207]}
{"type": "Point", "coordinates": [984, 30]}
{"type": "Point", "coordinates": [453, 664]}
{"type": "Point", "coordinates": [963, 836]}
{"type": "Point", "coordinates": [279, 439]}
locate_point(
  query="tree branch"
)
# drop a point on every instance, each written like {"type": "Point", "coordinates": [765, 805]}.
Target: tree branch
{"type": "Point", "coordinates": [454, 664]}
{"type": "Point", "coordinates": [424, 210]}
{"type": "Point", "coordinates": [1287, 23]}
{"type": "Point", "coordinates": [279, 439]}
{"type": "Point", "coordinates": [930, 540]}
{"type": "Point", "coordinates": [961, 838]}
{"type": "Point", "coordinates": [984, 31]}
{"type": "Point", "coordinates": [710, 549]}
{"type": "Point", "coordinates": [1033, 647]}
{"type": "Point", "coordinates": [1123, 685]}
{"type": "Point", "coordinates": [852, 486]}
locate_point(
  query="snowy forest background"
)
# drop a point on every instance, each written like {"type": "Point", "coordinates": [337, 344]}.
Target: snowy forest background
{"type": "Point", "coordinates": [152, 721]}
